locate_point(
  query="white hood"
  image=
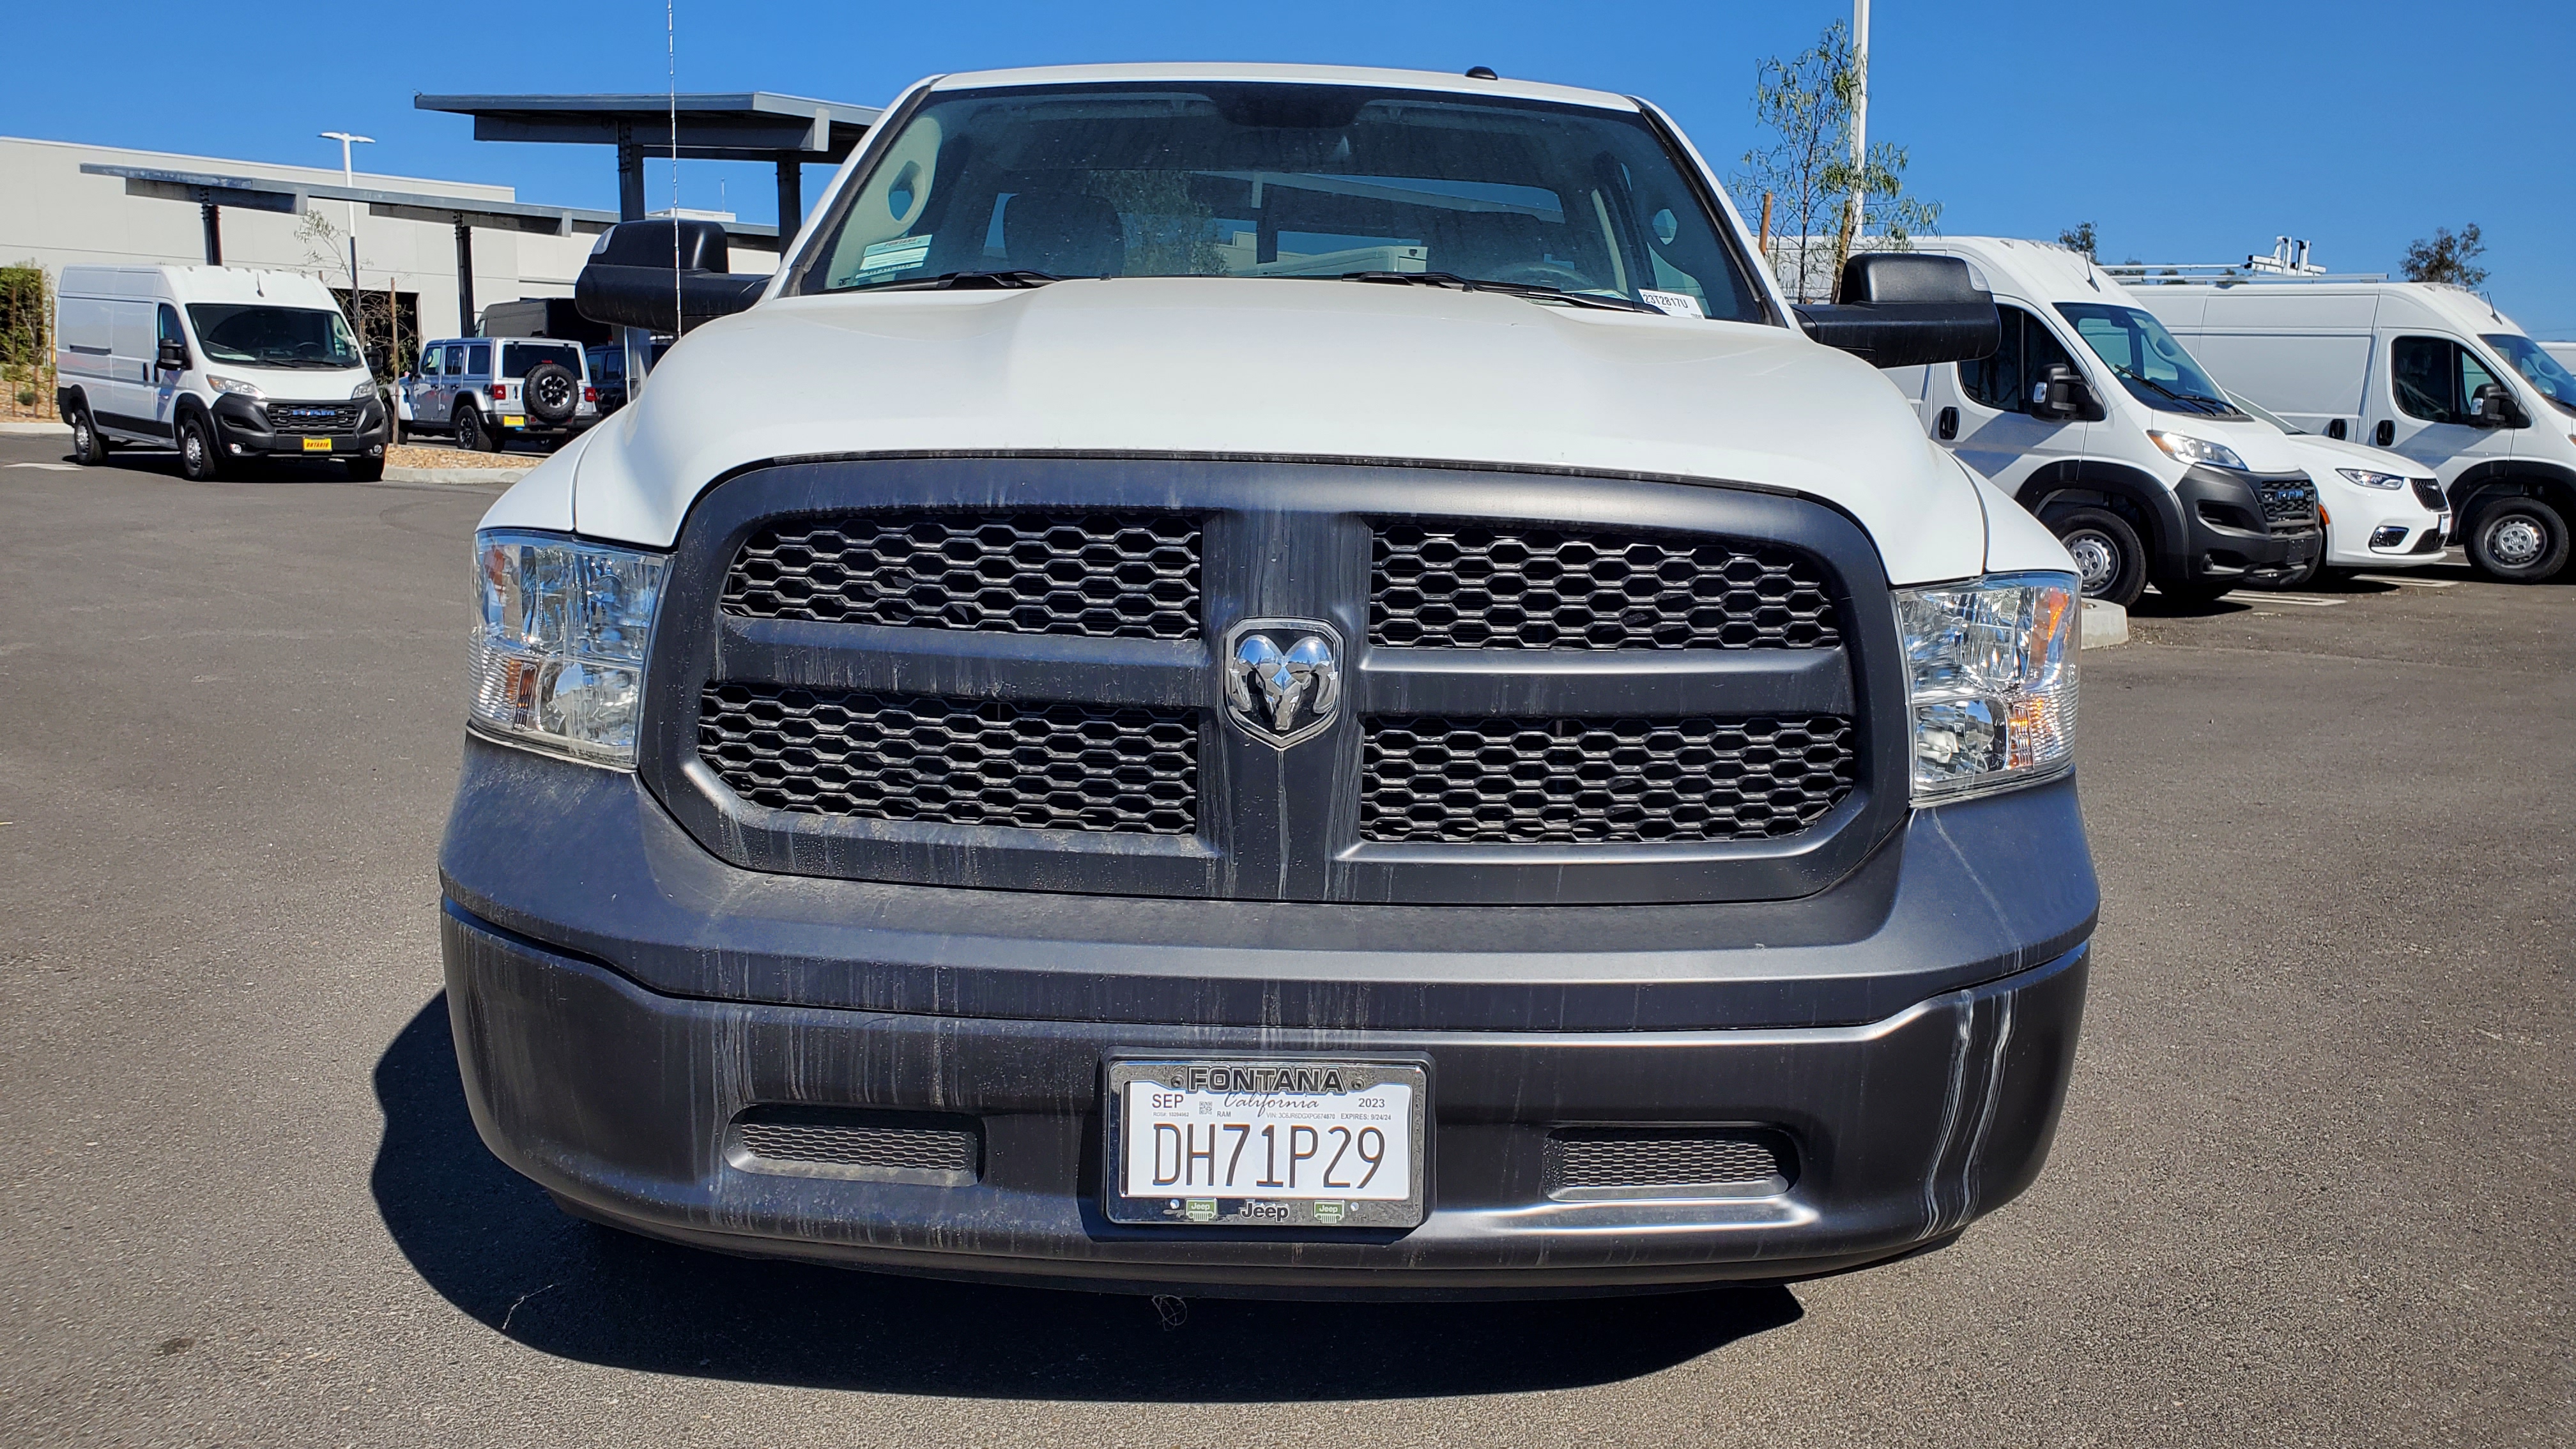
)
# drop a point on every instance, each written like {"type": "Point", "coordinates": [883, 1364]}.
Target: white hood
{"type": "Point", "coordinates": [1305, 369]}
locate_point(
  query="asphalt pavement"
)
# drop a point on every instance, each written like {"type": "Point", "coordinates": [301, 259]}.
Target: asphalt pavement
{"type": "Point", "coordinates": [2313, 1185]}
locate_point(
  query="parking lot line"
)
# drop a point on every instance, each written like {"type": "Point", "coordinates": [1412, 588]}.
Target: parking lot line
{"type": "Point", "coordinates": [2408, 583]}
{"type": "Point", "coordinates": [2302, 601]}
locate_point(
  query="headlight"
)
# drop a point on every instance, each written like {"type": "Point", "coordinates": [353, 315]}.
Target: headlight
{"type": "Point", "coordinates": [362, 392]}
{"type": "Point", "coordinates": [1990, 666]}
{"type": "Point", "coordinates": [234, 386]}
{"type": "Point", "coordinates": [2368, 479]}
{"type": "Point", "coordinates": [558, 655]}
{"type": "Point", "coordinates": [2197, 450]}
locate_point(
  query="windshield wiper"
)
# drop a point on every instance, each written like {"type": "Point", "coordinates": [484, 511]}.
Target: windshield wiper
{"type": "Point", "coordinates": [2217, 407]}
{"type": "Point", "coordinates": [1532, 290]}
{"type": "Point", "coordinates": [963, 282]}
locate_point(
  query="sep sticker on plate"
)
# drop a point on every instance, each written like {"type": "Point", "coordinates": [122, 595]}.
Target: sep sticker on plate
{"type": "Point", "coordinates": [903, 251]}
{"type": "Point", "coordinates": [1672, 304]}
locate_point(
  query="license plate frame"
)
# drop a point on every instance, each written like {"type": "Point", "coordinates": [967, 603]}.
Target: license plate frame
{"type": "Point", "coordinates": [1243, 1203]}
{"type": "Point", "coordinates": [317, 445]}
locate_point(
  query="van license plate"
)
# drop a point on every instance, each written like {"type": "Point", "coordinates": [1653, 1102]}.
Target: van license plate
{"type": "Point", "coordinates": [1267, 1142]}
{"type": "Point", "coordinates": [317, 445]}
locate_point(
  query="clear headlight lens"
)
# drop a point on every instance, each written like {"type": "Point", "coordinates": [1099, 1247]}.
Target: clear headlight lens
{"type": "Point", "coordinates": [2368, 479]}
{"type": "Point", "coordinates": [2186, 449]}
{"type": "Point", "coordinates": [235, 386]}
{"type": "Point", "coordinates": [362, 392]}
{"type": "Point", "coordinates": [559, 642]}
{"type": "Point", "coordinates": [1990, 666]}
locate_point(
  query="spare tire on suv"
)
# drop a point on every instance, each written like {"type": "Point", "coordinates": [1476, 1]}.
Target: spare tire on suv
{"type": "Point", "coordinates": [552, 392]}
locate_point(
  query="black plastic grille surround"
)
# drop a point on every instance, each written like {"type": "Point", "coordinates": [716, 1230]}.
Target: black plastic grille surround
{"type": "Point", "coordinates": [1101, 575]}
{"type": "Point", "coordinates": [1651, 1159]}
{"type": "Point", "coordinates": [1459, 584]}
{"type": "Point", "coordinates": [1532, 781]}
{"type": "Point", "coordinates": [2429, 493]}
{"type": "Point", "coordinates": [2287, 500]}
{"type": "Point", "coordinates": [1120, 770]}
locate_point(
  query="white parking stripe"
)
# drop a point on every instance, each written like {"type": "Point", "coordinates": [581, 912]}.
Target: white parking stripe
{"type": "Point", "coordinates": [2305, 603]}
{"type": "Point", "coordinates": [48, 467]}
{"type": "Point", "coordinates": [2408, 583]}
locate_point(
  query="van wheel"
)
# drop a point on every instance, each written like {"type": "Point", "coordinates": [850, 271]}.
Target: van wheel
{"type": "Point", "coordinates": [2108, 557]}
{"type": "Point", "coordinates": [87, 446]}
{"type": "Point", "coordinates": [201, 460]}
{"type": "Point", "coordinates": [470, 433]}
{"type": "Point", "coordinates": [2518, 540]}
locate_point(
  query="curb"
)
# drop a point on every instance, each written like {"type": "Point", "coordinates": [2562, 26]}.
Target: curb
{"type": "Point", "coordinates": [2105, 623]}
{"type": "Point", "coordinates": [35, 430]}
{"type": "Point", "coordinates": [456, 475]}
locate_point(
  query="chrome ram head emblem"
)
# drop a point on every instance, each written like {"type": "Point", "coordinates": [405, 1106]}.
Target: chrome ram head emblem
{"type": "Point", "coordinates": [1282, 680]}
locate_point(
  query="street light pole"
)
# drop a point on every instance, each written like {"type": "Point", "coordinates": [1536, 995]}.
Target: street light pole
{"type": "Point", "coordinates": [1860, 114]}
{"type": "Point", "coordinates": [349, 178]}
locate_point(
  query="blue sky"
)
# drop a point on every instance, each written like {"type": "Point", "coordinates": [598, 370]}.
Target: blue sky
{"type": "Point", "coordinates": [2186, 132]}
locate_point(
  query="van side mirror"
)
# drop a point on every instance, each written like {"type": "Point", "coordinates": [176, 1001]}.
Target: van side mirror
{"type": "Point", "coordinates": [667, 276]}
{"type": "Point", "coordinates": [2492, 406]}
{"type": "Point", "coordinates": [1905, 309]}
{"type": "Point", "coordinates": [174, 354]}
{"type": "Point", "coordinates": [2062, 395]}
{"type": "Point", "coordinates": [380, 358]}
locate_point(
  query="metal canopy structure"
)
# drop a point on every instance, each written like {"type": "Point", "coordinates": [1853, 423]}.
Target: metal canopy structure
{"type": "Point", "coordinates": [785, 131]}
{"type": "Point", "coordinates": [465, 213]}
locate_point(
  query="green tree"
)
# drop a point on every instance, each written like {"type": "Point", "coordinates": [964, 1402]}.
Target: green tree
{"type": "Point", "coordinates": [2080, 238]}
{"type": "Point", "coordinates": [2446, 258]}
{"type": "Point", "coordinates": [1804, 105]}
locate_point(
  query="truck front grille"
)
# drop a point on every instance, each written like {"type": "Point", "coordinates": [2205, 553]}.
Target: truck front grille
{"type": "Point", "coordinates": [1104, 576]}
{"type": "Point", "coordinates": [1086, 767]}
{"type": "Point", "coordinates": [2291, 501]}
{"type": "Point", "coordinates": [313, 417]}
{"type": "Point", "coordinates": [1531, 781]}
{"type": "Point", "coordinates": [1455, 584]}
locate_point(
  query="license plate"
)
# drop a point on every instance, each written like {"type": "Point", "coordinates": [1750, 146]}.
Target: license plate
{"type": "Point", "coordinates": [510, 422]}
{"type": "Point", "coordinates": [317, 445]}
{"type": "Point", "coordinates": [1267, 1142]}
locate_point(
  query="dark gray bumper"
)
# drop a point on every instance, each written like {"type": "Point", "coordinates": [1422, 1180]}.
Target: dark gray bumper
{"type": "Point", "coordinates": [619, 996]}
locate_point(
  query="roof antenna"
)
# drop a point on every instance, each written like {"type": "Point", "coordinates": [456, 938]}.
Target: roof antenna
{"type": "Point", "coordinates": [1481, 72]}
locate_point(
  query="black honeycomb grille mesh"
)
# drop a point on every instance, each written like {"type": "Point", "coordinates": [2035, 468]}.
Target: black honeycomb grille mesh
{"type": "Point", "coordinates": [1529, 781]}
{"type": "Point", "coordinates": [2289, 501]}
{"type": "Point", "coordinates": [1441, 584]}
{"type": "Point", "coordinates": [1615, 1160]}
{"type": "Point", "coordinates": [1112, 769]}
{"type": "Point", "coordinates": [1105, 576]}
{"type": "Point", "coordinates": [917, 1149]}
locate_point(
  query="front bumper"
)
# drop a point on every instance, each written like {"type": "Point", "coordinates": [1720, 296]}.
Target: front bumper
{"type": "Point", "coordinates": [242, 430]}
{"type": "Point", "coordinates": [620, 997]}
{"type": "Point", "coordinates": [2227, 536]}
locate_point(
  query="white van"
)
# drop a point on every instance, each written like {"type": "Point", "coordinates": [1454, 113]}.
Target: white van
{"type": "Point", "coordinates": [2427, 370]}
{"type": "Point", "coordinates": [2093, 418]}
{"type": "Point", "coordinates": [228, 365]}
{"type": "Point", "coordinates": [2382, 510]}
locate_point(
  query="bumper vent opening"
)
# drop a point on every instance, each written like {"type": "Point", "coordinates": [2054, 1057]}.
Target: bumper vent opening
{"type": "Point", "coordinates": [910, 1147]}
{"type": "Point", "coordinates": [1592, 1163]}
{"type": "Point", "coordinates": [1534, 781]}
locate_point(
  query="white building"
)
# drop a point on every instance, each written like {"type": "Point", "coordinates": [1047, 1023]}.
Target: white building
{"type": "Point", "coordinates": [53, 213]}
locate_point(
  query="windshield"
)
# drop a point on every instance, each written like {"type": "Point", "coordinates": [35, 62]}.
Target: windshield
{"type": "Point", "coordinates": [1274, 180]}
{"type": "Point", "coordinates": [273, 336]}
{"type": "Point", "coordinates": [2546, 374]}
{"type": "Point", "coordinates": [518, 357]}
{"type": "Point", "coordinates": [2149, 362]}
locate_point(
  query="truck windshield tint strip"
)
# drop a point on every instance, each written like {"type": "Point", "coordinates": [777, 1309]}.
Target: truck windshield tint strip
{"type": "Point", "coordinates": [1531, 781]}
{"type": "Point", "coordinates": [1175, 179]}
{"type": "Point", "coordinates": [1102, 768]}
{"type": "Point", "coordinates": [1460, 585]}
{"type": "Point", "coordinates": [1105, 576]}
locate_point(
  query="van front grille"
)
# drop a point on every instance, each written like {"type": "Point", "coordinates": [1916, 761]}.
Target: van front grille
{"type": "Point", "coordinates": [1103, 576]}
{"type": "Point", "coordinates": [1529, 781]}
{"type": "Point", "coordinates": [2287, 501]}
{"type": "Point", "coordinates": [313, 417]}
{"type": "Point", "coordinates": [1451, 584]}
{"type": "Point", "coordinates": [1087, 767]}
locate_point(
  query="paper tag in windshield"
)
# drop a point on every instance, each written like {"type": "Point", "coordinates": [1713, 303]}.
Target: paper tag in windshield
{"type": "Point", "coordinates": [903, 251]}
{"type": "Point", "coordinates": [1672, 304]}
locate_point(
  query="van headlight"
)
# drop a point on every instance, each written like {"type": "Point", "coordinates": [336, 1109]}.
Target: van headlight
{"type": "Point", "coordinates": [559, 643]}
{"type": "Point", "coordinates": [2185, 449]}
{"type": "Point", "coordinates": [1990, 669]}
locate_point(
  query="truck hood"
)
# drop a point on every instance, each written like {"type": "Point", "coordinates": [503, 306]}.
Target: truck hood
{"type": "Point", "coordinates": [1274, 368]}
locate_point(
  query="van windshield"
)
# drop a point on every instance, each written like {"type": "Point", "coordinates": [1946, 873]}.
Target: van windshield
{"type": "Point", "coordinates": [257, 336]}
{"type": "Point", "coordinates": [2150, 363]}
{"type": "Point", "coordinates": [1163, 179]}
{"type": "Point", "coordinates": [2546, 374]}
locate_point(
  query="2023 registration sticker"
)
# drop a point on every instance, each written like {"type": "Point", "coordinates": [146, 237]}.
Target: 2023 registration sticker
{"type": "Point", "coordinates": [1284, 1144]}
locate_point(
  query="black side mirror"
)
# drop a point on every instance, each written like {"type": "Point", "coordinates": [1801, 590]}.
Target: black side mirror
{"type": "Point", "coordinates": [2062, 395]}
{"type": "Point", "coordinates": [174, 354]}
{"type": "Point", "coordinates": [1905, 309]}
{"type": "Point", "coordinates": [2492, 406]}
{"type": "Point", "coordinates": [380, 358]}
{"type": "Point", "coordinates": [668, 276]}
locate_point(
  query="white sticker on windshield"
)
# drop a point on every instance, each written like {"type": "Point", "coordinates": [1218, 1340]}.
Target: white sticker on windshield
{"type": "Point", "coordinates": [903, 251]}
{"type": "Point", "coordinates": [1672, 304]}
